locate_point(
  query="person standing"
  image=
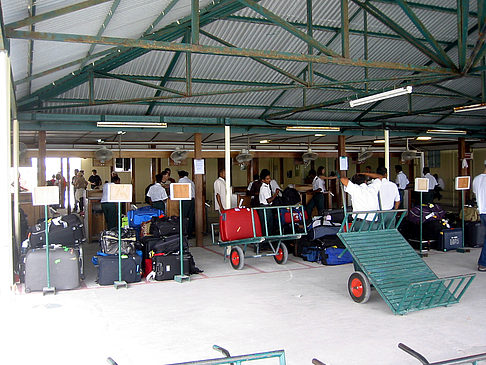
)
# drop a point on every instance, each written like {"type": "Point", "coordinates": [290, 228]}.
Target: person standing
{"type": "Point", "coordinates": [255, 189]}
{"type": "Point", "coordinates": [318, 190]}
{"type": "Point", "coordinates": [255, 179]}
{"type": "Point", "coordinates": [80, 186]}
{"type": "Point", "coordinates": [266, 197]}
{"type": "Point", "coordinates": [188, 206]}
{"type": "Point", "coordinates": [61, 182]}
{"type": "Point", "coordinates": [157, 194]}
{"type": "Point", "coordinates": [110, 208]}
{"type": "Point", "coordinates": [220, 191]}
{"type": "Point", "coordinates": [439, 187]}
{"type": "Point", "coordinates": [428, 197]}
{"type": "Point", "coordinates": [73, 183]}
{"type": "Point", "coordinates": [402, 181]}
{"type": "Point", "coordinates": [169, 179]}
{"type": "Point", "coordinates": [95, 180]}
{"type": "Point", "coordinates": [479, 189]}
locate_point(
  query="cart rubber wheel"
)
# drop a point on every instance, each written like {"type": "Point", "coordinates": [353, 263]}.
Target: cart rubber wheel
{"type": "Point", "coordinates": [282, 254]}
{"type": "Point", "coordinates": [359, 287]}
{"type": "Point", "coordinates": [237, 258]}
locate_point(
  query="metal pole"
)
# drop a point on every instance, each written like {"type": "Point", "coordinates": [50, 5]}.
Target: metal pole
{"type": "Point", "coordinates": [387, 151]}
{"type": "Point", "coordinates": [48, 270]}
{"type": "Point", "coordinates": [181, 247]}
{"type": "Point", "coordinates": [16, 210]}
{"type": "Point", "coordinates": [462, 208]}
{"type": "Point", "coordinates": [227, 164]}
{"type": "Point", "coordinates": [420, 223]}
{"type": "Point", "coordinates": [119, 243]}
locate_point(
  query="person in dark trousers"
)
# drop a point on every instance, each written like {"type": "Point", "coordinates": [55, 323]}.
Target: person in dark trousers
{"type": "Point", "coordinates": [157, 194]}
{"type": "Point", "coordinates": [109, 208]}
{"type": "Point", "coordinates": [255, 189]}
{"type": "Point", "coordinates": [479, 189]}
{"type": "Point", "coordinates": [95, 180]}
{"type": "Point", "coordinates": [318, 190]}
{"type": "Point", "coordinates": [428, 197]}
{"type": "Point", "coordinates": [188, 208]}
{"type": "Point", "coordinates": [402, 181]}
{"type": "Point", "coordinates": [266, 198]}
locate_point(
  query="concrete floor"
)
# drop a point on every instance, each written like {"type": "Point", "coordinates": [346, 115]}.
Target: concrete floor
{"type": "Point", "coordinates": [301, 307]}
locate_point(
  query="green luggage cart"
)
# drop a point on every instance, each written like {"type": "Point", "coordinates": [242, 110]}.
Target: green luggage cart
{"type": "Point", "coordinates": [385, 260]}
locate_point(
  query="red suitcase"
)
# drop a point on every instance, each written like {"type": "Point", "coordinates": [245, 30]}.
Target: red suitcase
{"type": "Point", "coordinates": [236, 224]}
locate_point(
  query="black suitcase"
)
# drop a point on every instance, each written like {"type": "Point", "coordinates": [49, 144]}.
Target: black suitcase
{"type": "Point", "coordinates": [67, 231]}
{"type": "Point", "coordinates": [131, 269]}
{"type": "Point", "coordinates": [168, 226]}
{"type": "Point", "coordinates": [450, 239]}
{"type": "Point", "coordinates": [474, 234]}
{"type": "Point", "coordinates": [164, 245]}
{"type": "Point", "coordinates": [166, 267]}
{"type": "Point", "coordinates": [64, 267]}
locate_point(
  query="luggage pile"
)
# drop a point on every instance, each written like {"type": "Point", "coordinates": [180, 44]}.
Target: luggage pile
{"type": "Point", "coordinates": [66, 237]}
{"type": "Point", "coordinates": [473, 230]}
{"type": "Point", "coordinates": [149, 248]}
{"type": "Point", "coordinates": [321, 244]}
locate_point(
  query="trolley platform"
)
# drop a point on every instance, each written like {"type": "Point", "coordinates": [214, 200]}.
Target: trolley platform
{"type": "Point", "coordinates": [385, 260]}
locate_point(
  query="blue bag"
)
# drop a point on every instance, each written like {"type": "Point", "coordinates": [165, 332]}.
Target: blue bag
{"type": "Point", "coordinates": [330, 256]}
{"type": "Point", "coordinates": [95, 261]}
{"type": "Point", "coordinates": [311, 254]}
{"type": "Point", "coordinates": [144, 214]}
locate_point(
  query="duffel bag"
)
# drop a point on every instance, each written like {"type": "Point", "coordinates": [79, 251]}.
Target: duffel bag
{"type": "Point", "coordinates": [138, 216]}
{"type": "Point", "coordinates": [167, 226]}
{"type": "Point", "coordinates": [330, 256]}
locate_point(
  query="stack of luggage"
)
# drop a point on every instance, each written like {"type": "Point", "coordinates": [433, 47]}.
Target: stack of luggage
{"type": "Point", "coordinates": [66, 237]}
{"type": "Point", "coordinates": [322, 244]}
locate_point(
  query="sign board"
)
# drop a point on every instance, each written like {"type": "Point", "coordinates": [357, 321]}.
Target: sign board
{"type": "Point", "coordinates": [45, 195]}
{"type": "Point", "coordinates": [343, 163]}
{"type": "Point", "coordinates": [119, 193]}
{"type": "Point", "coordinates": [199, 167]}
{"type": "Point", "coordinates": [421, 184]}
{"type": "Point", "coordinates": [180, 191]}
{"type": "Point", "coordinates": [463, 182]}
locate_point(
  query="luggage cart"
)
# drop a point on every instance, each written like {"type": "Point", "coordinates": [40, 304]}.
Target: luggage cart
{"type": "Point", "coordinates": [384, 259]}
{"type": "Point", "coordinates": [237, 250]}
{"type": "Point", "coordinates": [473, 359]}
{"type": "Point", "coordinates": [232, 360]}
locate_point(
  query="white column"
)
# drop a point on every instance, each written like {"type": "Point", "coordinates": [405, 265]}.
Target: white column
{"type": "Point", "coordinates": [387, 152]}
{"type": "Point", "coordinates": [227, 163]}
{"type": "Point", "coordinates": [6, 257]}
{"type": "Point", "coordinates": [15, 155]}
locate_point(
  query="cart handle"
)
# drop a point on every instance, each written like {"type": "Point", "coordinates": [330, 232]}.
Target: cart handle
{"type": "Point", "coordinates": [317, 362]}
{"type": "Point", "coordinates": [414, 353]}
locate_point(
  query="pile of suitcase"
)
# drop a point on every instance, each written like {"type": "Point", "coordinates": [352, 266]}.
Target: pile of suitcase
{"type": "Point", "coordinates": [150, 247]}
{"type": "Point", "coordinates": [66, 237]}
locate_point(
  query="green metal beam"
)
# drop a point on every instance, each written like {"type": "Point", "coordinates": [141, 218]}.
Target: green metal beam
{"type": "Point", "coordinates": [425, 32]}
{"type": "Point", "coordinates": [259, 60]}
{"type": "Point", "coordinates": [288, 27]}
{"type": "Point", "coordinates": [462, 27]}
{"type": "Point", "coordinates": [310, 27]}
{"type": "Point", "coordinates": [379, 15]}
{"type": "Point", "coordinates": [345, 28]}
{"type": "Point", "coordinates": [195, 21]}
{"type": "Point", "coordinates": [223, 51]}
{"type": "Point", "coordinates": [54, 13]}
{"type": "Point", "coordinates": [107, 20]}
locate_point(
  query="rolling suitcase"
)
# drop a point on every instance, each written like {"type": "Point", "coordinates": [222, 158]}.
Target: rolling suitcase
{"type": "Point", "coordinates": [131, 269]}
{"type": "Point", "coordinates": [474, 234]}
{"type": "Point", "coordinates": [67, 231]}
{"type": "Point", "coordinates": [165, 245]}
{"type": "Point", "coordinates": [236, 224]}
{"type": "Point", "coordinates": [64, 266]}
{"type": "Point", "coordinates": [138, 216]}
{"type": "Point", "coordinates": [166, 267]}
{"type": "Point", "coordinates": [450, 239]}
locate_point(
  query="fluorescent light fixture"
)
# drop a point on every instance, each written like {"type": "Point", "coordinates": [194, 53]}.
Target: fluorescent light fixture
{"type": "Point", "coordinates": [469, 108]}
{"type": "Point", "coordinates": [445, 131]}
{"type": "Point", "coordinates": [298, 128]}
{"type": "Point", "coordinates": [379, 141]}
{"type": "Point", "coordinates": [381, 96]}
{"type": "Point", "coordinates": [319, 135]}
{"type": "Point", "coordinates": [423, 138]}
{"type": "Point", "coordinates": [131, 124]}
{"type": "Point", "coordinates": [265, 141]}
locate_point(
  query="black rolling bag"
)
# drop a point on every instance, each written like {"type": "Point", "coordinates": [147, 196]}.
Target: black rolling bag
{"type": "Point", "coordinates": [166, 267]}
{"type": "Point", "coordinates": [67, 231]}
{"type": "Point", "coordinates": [474, 234]}
{"type": "Point", "coordinates": [131, 269]}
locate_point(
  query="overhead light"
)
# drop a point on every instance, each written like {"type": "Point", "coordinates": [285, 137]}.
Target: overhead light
{"type": "Point", "coordinates": [381, 96]}
{"type": "Point", "coordinates": [265, 141]}
{"type": "Point", "coordinates": [379, 141]}
{"type": "Point", "coordinates": [469, 108]}
{"type": "Point", "coordinates": [100, 141]}
{"type": "Point", "coordinates": [319, 135]}
{"type": "Point", "coordinates": [121, 132]}
{"type": "Point", "coordinates": [423, 138]}
{"type": "Point", "coordinates": [299, 128]}
{"type": "Point", "coordinates": [445, 131]}
{"type": "Point", "coordinates": [131, 124]}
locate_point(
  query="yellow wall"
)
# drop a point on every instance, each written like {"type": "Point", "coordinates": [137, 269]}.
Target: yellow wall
{"type": "Point", "coordinates": [143, 177]}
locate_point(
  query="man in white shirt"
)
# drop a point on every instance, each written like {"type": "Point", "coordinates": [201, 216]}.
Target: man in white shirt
{"type": "Point", "coordinates": [428, 197]}
{"type": "Point", "coordinates": [402, 182]}
{"type": "Point", "coordinates": [188, 206]}
{"type": "Point", "coordinates": [388, 194]}
{"type": "Point", "coordinates": [109, 208]}
{"type": "Point", "coordinates": [220, 192]}
{"type": "Point", "coordinates": [479, 189]}
{"type": "Point", "coordinates": [157, 194]}
{"type": "Point", "coordinates": [255, 179]}
{"type": "Point", "coordinates": [274, 187]}
{"type": "Point", "coordinates": [318, 189]}
{"type": "Point", "coordinates": [363, 198]}
{"type": "Point", "coordinates": [266, 198]}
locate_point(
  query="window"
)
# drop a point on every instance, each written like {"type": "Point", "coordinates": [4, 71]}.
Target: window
{"type": "Point", "coordinates": [433, 158]}
{"type": "Point", "coordinates": [123, 164]}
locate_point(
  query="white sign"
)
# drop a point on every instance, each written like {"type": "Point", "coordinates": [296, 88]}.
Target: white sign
{"type": "Point", "coordinates": [180, 191]}
{"type": "Point", "coordinates": [119, 193]}
{"type": "Point", "coordinates": [45, 195]}
{"type": "Point", "coordinates": [421, 184]}
{"type": "Point", "coordinates": [463, 182]}
{"type": "Point", "coordinates": [199, 167]}
{"type": "Point", "coordinates": [343, 163]}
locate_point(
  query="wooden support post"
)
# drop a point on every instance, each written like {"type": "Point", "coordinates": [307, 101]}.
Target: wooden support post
{"type": "Point", "coordinates": [133, 182]}
{"type": "Point", "coordinates": [41, 162]}
{"type": "Point", "coordinates": [153, 165]}
{"type": "Point", "coordinates": [341, 152]}
{"type": "Point", "coordinates": [199, 201]}
{"type": "Point", "coordinates": [462, 148]}
{"type": "Point", "coordinates": [68, 185]}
